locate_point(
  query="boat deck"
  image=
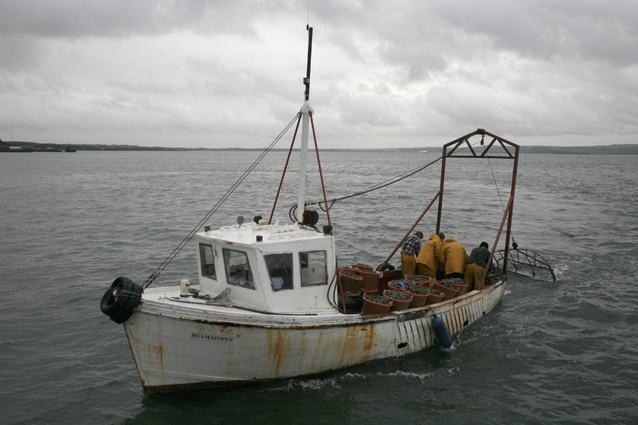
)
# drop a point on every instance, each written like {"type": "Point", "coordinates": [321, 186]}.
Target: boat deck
{"type": "Point", "coordinates": [166, 301]}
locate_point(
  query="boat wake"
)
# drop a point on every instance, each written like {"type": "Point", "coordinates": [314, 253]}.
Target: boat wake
{"type": "Point", "coordinates": [408, 375]}
{"type": "Point", "coordinates": [319, 384]}
{"type": "Point", "coordinates": [316, 384]}
{"type": "Point", "coordinates": [563, 267]}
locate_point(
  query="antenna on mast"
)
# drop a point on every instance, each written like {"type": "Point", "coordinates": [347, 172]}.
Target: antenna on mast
{"type": "Point", "coordinates": [306, 80]}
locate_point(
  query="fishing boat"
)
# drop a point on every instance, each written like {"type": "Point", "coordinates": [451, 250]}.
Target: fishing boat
{"type": "Point", "coordinates": [271, 303]}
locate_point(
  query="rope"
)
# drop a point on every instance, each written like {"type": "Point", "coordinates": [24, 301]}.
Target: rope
{"type": "Point", "coordinates": [496, 184]}
{"type": "Point", "coordinates": [332, 294]}
{"type": "Point", "coordinates": [514, 244]}
{"type": "Point", "coordinates": [208, 215]}
{"type": "Point", "coordinates": [384, 183]}
{"type": "Point", "coordinates": [377, 187]}
{"type": "Point", "coordinates": [520, 261]}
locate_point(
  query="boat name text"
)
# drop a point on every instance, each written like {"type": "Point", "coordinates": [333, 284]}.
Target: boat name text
{"type": "Point", "coordinates": [211, 337]}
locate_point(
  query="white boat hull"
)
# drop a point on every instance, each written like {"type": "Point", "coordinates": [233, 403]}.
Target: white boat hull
{"type": "Point", "coordinates": [179, 346]}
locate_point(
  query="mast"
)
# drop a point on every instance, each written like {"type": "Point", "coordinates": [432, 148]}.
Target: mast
{"type": "Point", "coordinates": [305, 112]}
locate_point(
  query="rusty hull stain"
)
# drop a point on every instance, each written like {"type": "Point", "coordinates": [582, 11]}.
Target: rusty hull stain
{"type": "Point", "coordinates": [278, 342]}
{"type": "Point", "coordinates": [290, 345]}
{"type": "Point", "coordinates": [137, 366]}
{"type": "Point", "coordinates": [159, 352]}
{"type": "Point", "coordinates": [358, 344]}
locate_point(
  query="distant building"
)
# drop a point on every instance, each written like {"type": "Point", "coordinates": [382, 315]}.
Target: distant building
{"type": "Point", "coordinates": [19, 149]}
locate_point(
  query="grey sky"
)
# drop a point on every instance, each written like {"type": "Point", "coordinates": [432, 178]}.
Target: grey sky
{"type": "Point", "coordinates": [385, 73]}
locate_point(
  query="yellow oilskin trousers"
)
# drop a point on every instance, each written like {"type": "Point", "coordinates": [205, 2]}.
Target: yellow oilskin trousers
{"type": "Point", "coordinates": [408, 264]}
{"type": "Point", "coordinates": [473, 276]}
{"type": "Point", "coordinates": [426, 271]}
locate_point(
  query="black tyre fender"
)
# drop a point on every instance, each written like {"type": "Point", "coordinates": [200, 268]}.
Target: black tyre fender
{"type": "Point", "coordinates": [120, 300]}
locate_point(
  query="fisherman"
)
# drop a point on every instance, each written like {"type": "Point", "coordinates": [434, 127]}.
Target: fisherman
{"type": "Point", "coordinates": [453, 255]}
{"type": "Point", "coordinates": [411, 248]}
{"type": "Point", "coordinates": [476, 266]}
{"type": "Point", "coordinates": [430, 255]}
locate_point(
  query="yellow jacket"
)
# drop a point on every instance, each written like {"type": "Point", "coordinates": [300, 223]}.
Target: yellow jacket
{"type": "Point", "coordinates": [454, 257]}
{"type": "Point", "coordinates": [430, 254]}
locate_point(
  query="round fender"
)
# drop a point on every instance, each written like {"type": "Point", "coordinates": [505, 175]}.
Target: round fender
{"type": "Point", "coordinates": [120, 299]}
{"type": "Point", "coordinates": [441, 331]}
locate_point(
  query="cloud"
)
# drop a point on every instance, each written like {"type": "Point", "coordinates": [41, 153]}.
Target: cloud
{"type": "Point", "coordinates": [71, 19]}
{"type": "Point", "coordinates": [407, 72]}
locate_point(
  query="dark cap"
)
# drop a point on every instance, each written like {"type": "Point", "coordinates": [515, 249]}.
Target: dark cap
{"type": "Point", "coordinates": [484, 244]}
{"type": "Point", "coordinates": [419, 234]}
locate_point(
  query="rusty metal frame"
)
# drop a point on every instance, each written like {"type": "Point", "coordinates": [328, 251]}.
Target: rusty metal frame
{"type": "Point", "coordinates": [283, 174]}
{"type": "Point", "coordinates": [511, 152]}
{"type": "Point", "coordinates": [323, 186]}
{"type": "Point", "coordinates": [281, 182]}
{"type": "Point", "coordinates": [413, 226]}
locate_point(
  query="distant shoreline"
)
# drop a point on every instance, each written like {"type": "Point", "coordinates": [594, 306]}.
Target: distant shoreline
{"type": "Point", "coordinates": [25, 147]}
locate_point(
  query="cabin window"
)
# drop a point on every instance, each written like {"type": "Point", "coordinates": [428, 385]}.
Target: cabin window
{"type": "Point", "coordinates": [279, 270]}
{"type": "Point", "coordinates": [238, 270]}
{"type": "Point", "coordinates": [207, 261]}
{"type": "Point", "coordinates": [313, 268]}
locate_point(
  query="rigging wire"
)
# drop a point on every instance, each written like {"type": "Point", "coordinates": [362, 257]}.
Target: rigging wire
{"type": "Point", "coordinates": [381, 185]}
{"type": "Point", "coordinates": [524, 261]}
{"type": "Point", "coordinates": [219, 203]}
{"type": "Point", "coordinates": [514, 244]}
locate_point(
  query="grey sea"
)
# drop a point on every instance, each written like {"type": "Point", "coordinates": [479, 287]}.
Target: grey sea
{"type": "Point", "coordinates": [552, 352]}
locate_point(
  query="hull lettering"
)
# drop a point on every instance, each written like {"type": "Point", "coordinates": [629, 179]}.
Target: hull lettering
{"type": "Point", "coordinates": [211, 337]}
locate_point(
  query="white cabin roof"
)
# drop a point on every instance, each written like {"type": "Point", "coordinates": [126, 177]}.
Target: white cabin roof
{"type": "Point", "coordinates": [247, 233]}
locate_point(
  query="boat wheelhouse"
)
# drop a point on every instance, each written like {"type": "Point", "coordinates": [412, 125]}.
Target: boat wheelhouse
{"type": "Point", "coordinates": [268, 268]}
